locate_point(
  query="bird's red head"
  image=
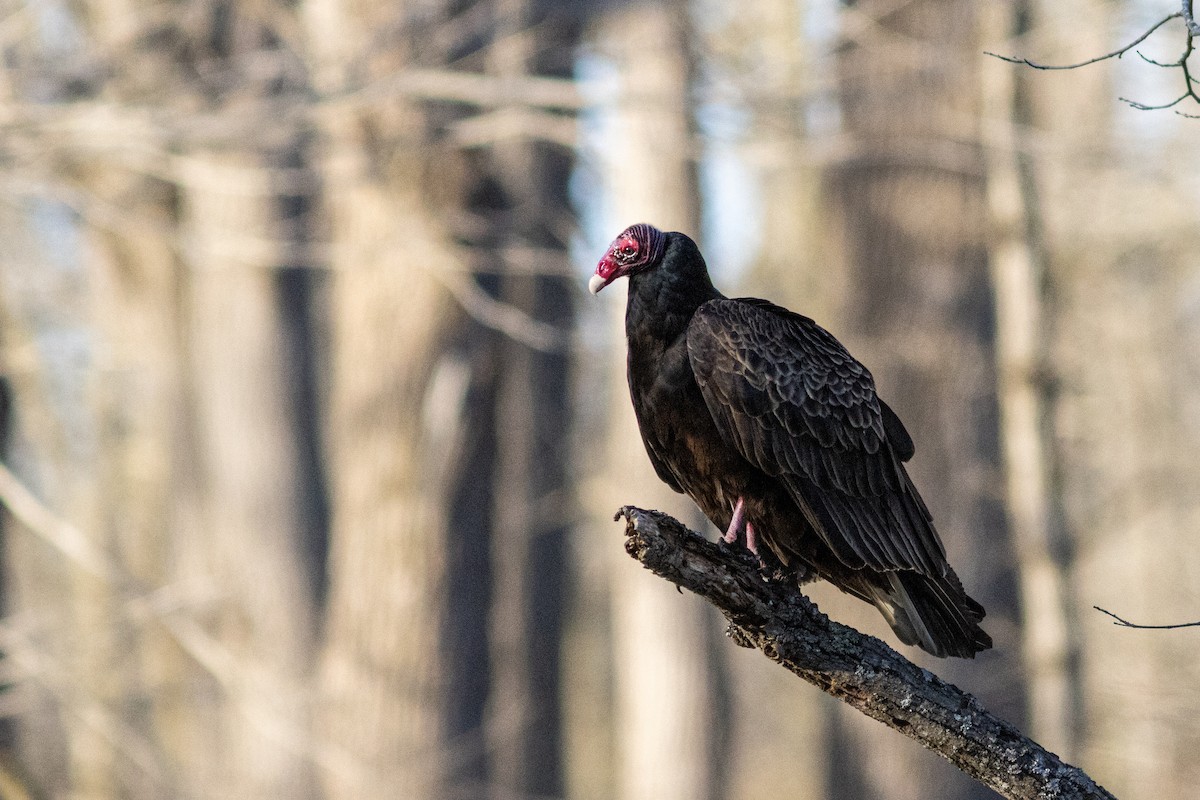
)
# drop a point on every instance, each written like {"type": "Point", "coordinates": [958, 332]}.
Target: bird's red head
{"type": "Point", "coordinates": [639, 247]}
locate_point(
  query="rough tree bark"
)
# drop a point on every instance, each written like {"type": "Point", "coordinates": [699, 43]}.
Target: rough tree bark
{"type": "Point", "coordinates": [859, 670]}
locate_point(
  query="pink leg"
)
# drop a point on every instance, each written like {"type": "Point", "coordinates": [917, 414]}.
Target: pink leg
{"type": "Point", "coordinates": [751, 539]}
{"type": "Point", "coordinates": [735, 524]}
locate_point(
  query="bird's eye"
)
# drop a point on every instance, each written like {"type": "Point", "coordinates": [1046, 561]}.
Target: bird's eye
{"type": "Point", "coordinates": [627, 250]}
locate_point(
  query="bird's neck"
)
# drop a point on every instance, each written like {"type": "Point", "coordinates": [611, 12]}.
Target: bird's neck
{"type": "Point", "coordinates": [661, 305]}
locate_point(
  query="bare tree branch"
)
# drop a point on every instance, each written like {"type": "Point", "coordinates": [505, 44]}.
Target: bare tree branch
{"type": "Point", "coordinates": [1189, 19]}
{"type": "Point", "coordinates": [857, 669]}
{"type": "Point", "coordinates": [58, 533]}
{"type": "Point", "coordinates": [504, 317]}
{"type": "Point", "coordinates": [1189, 83]}
{"type": "Point", "coordinates": [1124, 623]}
{"type": "Point", "coordinates": [1114, 54]}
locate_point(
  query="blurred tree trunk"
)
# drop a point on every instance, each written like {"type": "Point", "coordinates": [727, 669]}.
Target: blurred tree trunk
{"type": "Point", "coordinates": [241, 515]}
{"type": "Point", "coordinates": [409, 431]}
{"type": "Point", "coordinates": [396, 435]}
{"type": "Point", "coordinates": [1123, 237]}
{"type": "Point", "coordinates": [195, 501]}
{"type": "Point", "coordinates": [67, 654]}
{"type": "Point", "coordinates": [1050, 638]}
{"type": "Point", "coordinates": [50, 600]}
{"type": "Point", "coordinates": [782, 88]}
{"type": "Point", "coordinates": [911, 201]}
{"type": "Point", "coordinates": [240, 471]}
{"type": "Point", "coordinates": [127, 220]}
{"type": "Point", "coordinates": [440, 209]}
{"type": "Point", "coordinates": [667, 685]}
{"type": "Point", "coordinates": [522, 201]}
{"type": "Point", "coordinates": [134, 280]}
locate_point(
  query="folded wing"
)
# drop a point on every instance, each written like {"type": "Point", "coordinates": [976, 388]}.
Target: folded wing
{"type": "Point", "coordinates": [790, 398]}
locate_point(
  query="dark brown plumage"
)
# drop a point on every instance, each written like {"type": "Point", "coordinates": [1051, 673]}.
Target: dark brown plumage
{"type": "Point", "coordinates": [766, 421]}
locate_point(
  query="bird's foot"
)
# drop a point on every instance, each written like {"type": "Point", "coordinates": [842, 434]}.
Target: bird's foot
{"type": "Point", "coordinates": [752, 540]}
{"type": "Point", "coordinates": [736, 524]}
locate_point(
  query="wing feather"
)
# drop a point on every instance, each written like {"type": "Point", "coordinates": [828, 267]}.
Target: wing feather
{"type": "Point", "coordinates": [790, 398]}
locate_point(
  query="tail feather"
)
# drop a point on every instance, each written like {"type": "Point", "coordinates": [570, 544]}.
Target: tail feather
{"type": "Point", "coordinates": [933, 614]}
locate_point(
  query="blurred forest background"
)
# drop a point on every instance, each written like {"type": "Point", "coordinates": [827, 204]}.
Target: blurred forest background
{"type": "Point", "coordinates": [311, 436]}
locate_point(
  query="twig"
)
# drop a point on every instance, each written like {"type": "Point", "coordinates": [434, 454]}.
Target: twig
{"type": "Point", "coordinates": [1148, 60]}
{"type": "Point", "coordinates": [1114, 54]}
{"type": "Point", "coordinates": [1159, 107]}
{"type": "Point", "coordinates": [59, 534]}
{"type": "Point", "coordinates": [857, 669]}
{"type": "Point", "coordinates": [1124, 623]}
{"type": "Point", "coordinates": [1189, 83]}
{"type": "Point", "coordinates": [506, 318]}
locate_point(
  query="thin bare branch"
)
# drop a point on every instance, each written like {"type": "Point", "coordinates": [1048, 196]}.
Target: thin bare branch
{"type": "Point", "coordinates": [1181, 63]}
{"type": "Point", "coordinates": [58, 533]}
{"type": "Point", "coordinates": [1124, 623]}
{"type": "Point", "coordinates": [1159, 107]}
{"type": "Point", "coordinates": [1165, 65]}
{"type": "Point", "coordinates": [1189, 83]}
{"type": "Point", "coordinates": [1114, 54]}
{"type": "Point", "coordinates": [504, 317]}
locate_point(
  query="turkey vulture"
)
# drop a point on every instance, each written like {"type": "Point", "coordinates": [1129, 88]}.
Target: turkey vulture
{"type": "Point", "coordinates": [776, 432]}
